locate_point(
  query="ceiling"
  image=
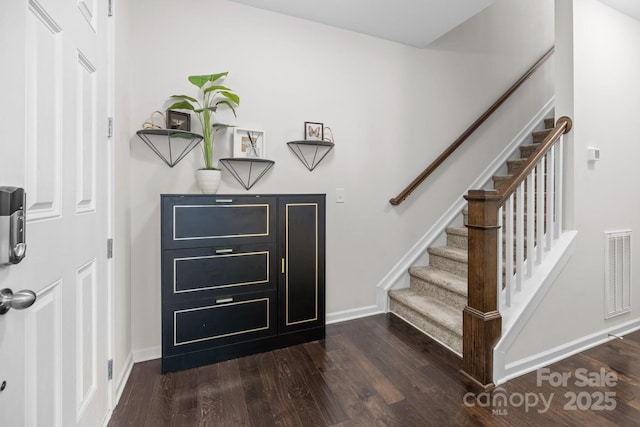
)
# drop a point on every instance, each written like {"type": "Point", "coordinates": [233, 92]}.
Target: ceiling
{"type": "Point", "coordinates": [411, 22]}
{"type": "Point", "coordinates": [629, 7]}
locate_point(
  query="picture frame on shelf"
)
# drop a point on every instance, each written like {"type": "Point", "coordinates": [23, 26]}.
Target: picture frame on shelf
{"type": "Point", "coordinates": [249, 143]}
{"type": "Point", "coordinates": [313, 131]}
{"type": "Point", "coordinates": [178, 120]}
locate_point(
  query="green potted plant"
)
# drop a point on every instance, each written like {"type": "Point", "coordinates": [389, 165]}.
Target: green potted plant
{"type": "Point", "coordinates": [213, 96]}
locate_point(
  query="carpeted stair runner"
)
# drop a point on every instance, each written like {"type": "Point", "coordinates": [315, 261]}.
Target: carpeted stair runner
{"type": "Point", "coordinates": [437, 294]}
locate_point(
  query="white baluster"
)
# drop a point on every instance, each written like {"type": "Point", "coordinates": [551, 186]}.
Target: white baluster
{"type": "Point", "coordinates": [504, 299]}
{"type": "Point", "coordinates": [550, 198]}
{"type": "Point", "coordinates": [558, 187]}
{"type": "Point", "coordinates": [531, 216]}
{"type": "Point", "coordinates": [508, 247]}
{"type": "Point", "coordinates": [539, 210]}
{"type": "Point", "coordinates": [519, 235]}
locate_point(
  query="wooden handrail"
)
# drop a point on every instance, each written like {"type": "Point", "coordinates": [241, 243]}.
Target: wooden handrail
{"type": "Point", "coordinates": [563, 125]}
{"type": "Point", "coordinates": [467, 133]}
{"type": "Point", "coordinates": [482, 322]}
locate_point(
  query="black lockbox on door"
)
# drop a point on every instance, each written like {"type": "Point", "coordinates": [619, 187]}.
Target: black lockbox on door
{"type": "Point", "coordinates": [241, 274]}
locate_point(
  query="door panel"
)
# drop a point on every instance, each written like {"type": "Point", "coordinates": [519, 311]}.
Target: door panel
{"type": "Point", "coordinates": [86, 138]}
{"type": "Point", "coordinates": [86, 335]}
{"type": "Point", "coordinates": [44, 357]}
{"type": "Point", "coordinates": [44, 88]}
{"type": "Point", "coordinates": [54, 145]}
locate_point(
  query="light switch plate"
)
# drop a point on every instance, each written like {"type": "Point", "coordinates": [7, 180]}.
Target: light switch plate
{"type": "Point", "coordinates": [340, 195]}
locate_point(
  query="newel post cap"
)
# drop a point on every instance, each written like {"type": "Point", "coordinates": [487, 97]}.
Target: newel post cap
{"type": "Point", "coordinates": [482, 195]}
{"type": "Point", "coordinates": [568, 123]}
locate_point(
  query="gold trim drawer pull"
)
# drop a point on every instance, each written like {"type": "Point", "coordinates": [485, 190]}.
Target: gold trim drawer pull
{"type": "Point", "coordinates": [224, 200]}
{"type": "Point", "coordinates": [282, 265]}
{"type": "Point", "coordinates": [223, 300]}
{"type": "Point", "coordinates": [224, 251]}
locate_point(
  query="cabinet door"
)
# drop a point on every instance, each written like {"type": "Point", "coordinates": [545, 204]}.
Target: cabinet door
{"type": "Point", "coordinates": [301, 281]}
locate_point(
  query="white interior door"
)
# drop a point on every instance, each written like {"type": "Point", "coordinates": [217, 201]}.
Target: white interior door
{"type": "Point", "coordinates": [53, 355]}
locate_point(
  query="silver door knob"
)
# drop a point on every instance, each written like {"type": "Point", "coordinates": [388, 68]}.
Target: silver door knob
{"type": "Point", "coordinates": [20, 300]}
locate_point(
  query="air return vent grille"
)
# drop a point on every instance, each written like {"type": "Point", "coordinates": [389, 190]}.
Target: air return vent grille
{"type": "Point", "coordinates": [617, 273]}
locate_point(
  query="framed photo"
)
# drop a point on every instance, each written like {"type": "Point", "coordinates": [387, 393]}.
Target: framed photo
{"type": "Point", "coordinates": [249, 143]}
{"type": "Point", "coordinates": [313, 131]}
{"type": "Point", "coordinates": [178, 120]}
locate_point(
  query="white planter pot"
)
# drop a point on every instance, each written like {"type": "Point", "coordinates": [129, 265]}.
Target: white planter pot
{"type": "Point", "coordinates": [208, 180]}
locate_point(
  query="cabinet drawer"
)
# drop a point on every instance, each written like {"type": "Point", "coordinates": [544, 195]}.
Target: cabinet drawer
{"type": "Point", "coordinates": [196, 221]}
{"type": "Point", "coordinates": [195, 325]}
{"type": "Point", "coordinates": [207, 272]}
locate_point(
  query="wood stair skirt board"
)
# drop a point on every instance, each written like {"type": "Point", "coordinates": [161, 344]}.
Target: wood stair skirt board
{"type": "Point", "coordinates": [437, 293]}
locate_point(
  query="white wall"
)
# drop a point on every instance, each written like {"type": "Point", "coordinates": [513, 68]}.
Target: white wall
{"type": "Point", "coordinates": [605, 99]}
{"type": "Point", "coordinates": [392, 110]}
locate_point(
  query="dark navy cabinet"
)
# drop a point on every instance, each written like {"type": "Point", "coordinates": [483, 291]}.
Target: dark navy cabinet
{"type": "Point", "coordinates": [241, 274]}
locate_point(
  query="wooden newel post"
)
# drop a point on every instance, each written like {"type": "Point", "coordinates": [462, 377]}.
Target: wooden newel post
{"type": "Point", "coordinates": [482, 323]}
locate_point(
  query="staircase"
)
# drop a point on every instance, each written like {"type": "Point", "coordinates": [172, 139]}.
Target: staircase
{"type": "Point", "coordinates": [437, 294]}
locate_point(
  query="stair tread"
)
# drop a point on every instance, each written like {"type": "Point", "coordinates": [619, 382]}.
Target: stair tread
{"type": "Point", "coordinates": [501, 177]}
{"type": "Point", "coordinates": [459, 231]}
{"type": "Point", "coordinates": [448, 317]}
{"type": "Point", "coordinates": [530, 145]}
{"type": "Point", "coordinates": [440, 277]}
{"type": "Point", "coordinates": [450, 252]}
{"type": "Point", "coordinates": [539, 133]}
{"type": "Point", "coordinates": [517, 161]}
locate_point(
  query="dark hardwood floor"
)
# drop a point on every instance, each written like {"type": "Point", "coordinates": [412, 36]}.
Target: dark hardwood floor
{"type": "Point", "coordinates": [378, 371]}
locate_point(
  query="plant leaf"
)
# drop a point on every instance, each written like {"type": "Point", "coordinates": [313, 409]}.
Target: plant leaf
{"type": "Point", "coordinates": [232, 96]}
{"type": "Point", "coordinates": [185, 97]}
{"type": "Point", "coordinates": [220, 126]}
{"type": "Point", "coordinates": [182, 105]}
{"type": "Point", "coordinates": [201, 110]}
{"type": "Point", "coordinates": [202, 80]}
{"type": "Point", "coordinates": [212, 88]}
{"type": "Point", "coordinates": [228, 104]}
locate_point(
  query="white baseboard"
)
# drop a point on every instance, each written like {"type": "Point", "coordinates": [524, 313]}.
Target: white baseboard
{"type": "Point", "coordinates": [121, 381]}
{"type": "Point", "coordinates": [545, 358]}
{"type": "Point", "coordinates": [398, 276]}
{"type": "Point", "coordinates": [356, 313]}
{"type": "Point", "coordinates": [107, 418]}
{"type": "Point", "coordinates": [146, 354]}
{"type": "Point", "coordinates": [119, 385]}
